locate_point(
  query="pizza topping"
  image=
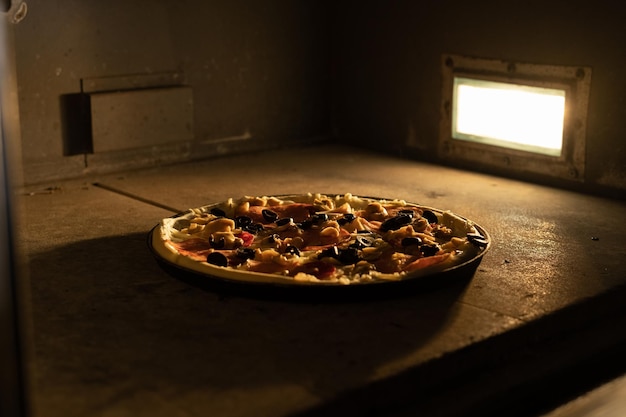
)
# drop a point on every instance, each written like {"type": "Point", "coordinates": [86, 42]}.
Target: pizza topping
{"type": "Point", "coordinates": [258, 212]}
{"type": "Point", "coordinates": [411, 241]}
{"type": "Point", "coordinates": [426, 262]}
{"type": "Point", "coordinates": [194, 248]}
{"type": "Point", "coordinates": [361, 242]}
{"type": "Point", "coordinates": [345, 256]}
{"type": "Point", "coordinates": [430, 216]}
{"type": "Point", "coordinates": [284, 221]}
{"type": "Point", "coordinates": [217, 258]}
{"type": "Point", "coordinates": [320, 217]}
{"type": "Point", "coordinates": [217, 212]}
{"type": "Point", "coordinates": [318, 269]}
{"type": "Point", "coordinates": [292, 250]}
{"type": "Point", "coordinates": [245, 253]}
{"type": "Point", "coordinates": [217, 244]}
{"type": "Point", "coordinates": [346, 219]}
{"type": "Point", "coordinates": [477, 239]}
{"type": "Point", "coordinates": [396, 222]}
{"type": "Point", "coordinates": [349, 256]}
{"type": "Point", "coordinates": [311, 238]}
{"type": "Point", "coordinates": [429, 249]}
{"type": "Point", "coordinates": [217, 225]}
{"type": "Point", "coordinates": [242, 221]}
{"type": "Point", "coordinates": [269, 215]}
{"type": "Point", "coordinates": [331, 252]}
{"type": "Point", "coordinates": [375, 211]}
{"type": "Point", "coordinates": [246, 237]}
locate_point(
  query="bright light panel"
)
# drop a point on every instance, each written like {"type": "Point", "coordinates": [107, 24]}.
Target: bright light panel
{"type": "Point", "coordinates": [509, 115]}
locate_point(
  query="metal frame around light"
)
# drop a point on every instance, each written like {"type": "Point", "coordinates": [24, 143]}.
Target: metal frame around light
{"type": "Point", "coordinates": [575, 80]}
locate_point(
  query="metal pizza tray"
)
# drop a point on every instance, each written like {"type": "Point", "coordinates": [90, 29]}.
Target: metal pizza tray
{"type": "Point", "coordinates": [461, 273]}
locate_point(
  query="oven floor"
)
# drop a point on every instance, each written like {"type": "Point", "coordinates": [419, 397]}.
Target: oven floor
{"type": "Point", "coordinates": [109, 333]}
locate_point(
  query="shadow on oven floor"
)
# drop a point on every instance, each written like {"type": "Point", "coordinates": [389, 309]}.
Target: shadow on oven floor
{"type": "Point", "coordinates": [110, 323]}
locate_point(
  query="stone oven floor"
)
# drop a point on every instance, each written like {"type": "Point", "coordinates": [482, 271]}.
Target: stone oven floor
{"type": "Point", "coordinates": [110, 333]}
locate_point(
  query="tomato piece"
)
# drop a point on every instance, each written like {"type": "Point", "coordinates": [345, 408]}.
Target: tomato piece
{"type": "Point", "coordinates": [426, 262]}
{"type": "Point", "coordinates": [247, 238]}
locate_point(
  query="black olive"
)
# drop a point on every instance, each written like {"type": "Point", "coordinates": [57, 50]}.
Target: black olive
{"type": "Point", "coordinates": [273, 238]}
{"type": "Point", "coordinates": [410, 241]}
{"type": "Point", "coordinates": [477, 239]}
{"type": "Point", "coordinates": [269, 215]}
{"type": "Point", "coordinates": [242, 221]}
{"type": "Point", "coordinates": [429, 250]}
{"type": "Point", "coordinates": [321, 217]}
{"type": "Point", "coordinates": [283, 221]}
{"type": "Point", "coordinates": [407, 212]}
{"type": "Point", "coordinates": [361, 242]}
{"type": "Point", "coordinates": [395, 223]}
{"type": "Point", "coordinates": [292, 250]}
{"type": "Point", "coordinates": [347, 218]}
{"type": "Point", "coordinates": [349, 256]}
{"type": "Point", "coordinates": [245, 253]}
{"type": "Point", "coordinates": [216, 244]}
{"type": "Point", "coordinates": [253, 228]}
{"type": "Point", "coordinates": [331, 252]}
{"type": "Point", "coordinates": [307, 224]}
{"type": "Point", "coordinates": [218, 212]}
{"type": "Point", "coordinates": [389, 224]}
{"type": "Point", "coordinates": [216, 258]}
{"type": "Point", "coordinates": [430, 216]}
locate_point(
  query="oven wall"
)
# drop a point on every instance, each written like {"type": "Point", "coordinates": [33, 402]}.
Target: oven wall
{"type": "Point", "coordinates": [281, 72]}
{"type": "Point", "coordinates": [258, 73]}
{"type": "Point", "coordinates": [388, 64]}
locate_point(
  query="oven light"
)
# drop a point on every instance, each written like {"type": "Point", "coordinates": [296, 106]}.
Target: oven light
{"type": "Point", "coordinates": [512, 116]}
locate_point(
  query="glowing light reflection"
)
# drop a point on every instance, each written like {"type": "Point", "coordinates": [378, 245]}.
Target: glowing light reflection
{"type": "Point", "coordinates": [509, 115]}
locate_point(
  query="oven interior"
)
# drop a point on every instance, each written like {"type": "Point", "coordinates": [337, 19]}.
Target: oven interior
{"type": "Point", "coordinates": [118, 114]}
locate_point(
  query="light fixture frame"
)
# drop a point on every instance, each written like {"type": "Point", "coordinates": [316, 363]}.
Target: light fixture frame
{"type": "Point", "coordinates": [574, 80]}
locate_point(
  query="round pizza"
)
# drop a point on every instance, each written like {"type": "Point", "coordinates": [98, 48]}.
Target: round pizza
{"type": "Point", "coordinates": [317, 239]}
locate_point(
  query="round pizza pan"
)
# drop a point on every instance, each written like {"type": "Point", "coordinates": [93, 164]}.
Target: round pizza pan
{"type": "Point", "coordinates": [317, 292]}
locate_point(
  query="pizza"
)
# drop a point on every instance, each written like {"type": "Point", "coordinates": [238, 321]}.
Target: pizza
{"type": "Point", "coordinates": [317, 239]}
